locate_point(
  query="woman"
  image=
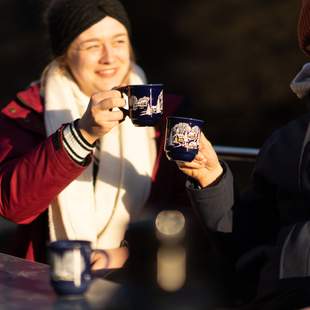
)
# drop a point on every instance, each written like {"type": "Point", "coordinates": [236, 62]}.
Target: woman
{"type": "Point", "coordinates": [51, 132]}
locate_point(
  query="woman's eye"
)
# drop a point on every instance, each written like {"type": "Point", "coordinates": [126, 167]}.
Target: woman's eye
{"type": "Point", "coordinates": [95, 46]}
{"type": "Point", "coordinates": [119, 42]}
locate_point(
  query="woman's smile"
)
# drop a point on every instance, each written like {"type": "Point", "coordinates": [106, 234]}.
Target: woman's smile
{"type": "Point", "coordinates": [107, 73]}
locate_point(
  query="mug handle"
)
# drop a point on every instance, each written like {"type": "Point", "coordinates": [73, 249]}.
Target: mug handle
{"type": "Point", "coordinates": [125, 111]}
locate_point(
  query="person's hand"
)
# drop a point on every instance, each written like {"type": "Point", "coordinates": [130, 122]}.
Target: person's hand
{"type": "Point", "coordinates": [100, 117]}
{"type": "Point", "coordinates": [205, 168]}
{"type": "Point", "coordinates": [109, 259]}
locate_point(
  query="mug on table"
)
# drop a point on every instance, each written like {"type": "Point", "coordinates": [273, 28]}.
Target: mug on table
{"type": "Point", "coordinates": [70, 266]}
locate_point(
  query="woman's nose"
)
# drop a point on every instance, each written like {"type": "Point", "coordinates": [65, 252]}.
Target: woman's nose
{"type": "Point", "coordinates": [107, 54]}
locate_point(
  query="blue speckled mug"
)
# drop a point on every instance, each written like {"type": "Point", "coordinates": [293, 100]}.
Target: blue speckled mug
{"type": "Point", "coordinates": [182, 138]}
{"type": "Point", "coordinates": [145, 103]}
{"type": "Point", "coordinates": [70, 266]}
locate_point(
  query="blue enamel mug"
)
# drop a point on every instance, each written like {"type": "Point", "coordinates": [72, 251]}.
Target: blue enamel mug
{"type": "Point", "coordinates": [182, 138]}
{"type": "Point", "coordinates": [70, 266]}
{"type": "Point", "coordinates": [145, 103]}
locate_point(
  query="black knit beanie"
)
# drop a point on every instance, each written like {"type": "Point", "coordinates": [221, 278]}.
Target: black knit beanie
{"type": "Point", "coordinates": [66, 19]}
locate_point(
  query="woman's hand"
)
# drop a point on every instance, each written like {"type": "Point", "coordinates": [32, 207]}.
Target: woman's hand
{"type": "Point", "coordinates": [109, 259]}
{"type": "Point", "coordinates": [205, 168]}
{"type": "Point", "coordinates": [100, 117]}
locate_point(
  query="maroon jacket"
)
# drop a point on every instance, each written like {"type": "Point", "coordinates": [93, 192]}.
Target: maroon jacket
{"type": "Point", "coordinates": [35, 169]}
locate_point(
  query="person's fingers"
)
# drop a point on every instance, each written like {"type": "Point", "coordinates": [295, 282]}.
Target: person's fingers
{"type": "Point", "coordinates": [100, 96]}
{"type": "Point", "coordinates": [208, 152]}
{"type": "Point", "coordinates": [109, 104]}
{"type": "Point", "coordinates": [205, 145]}
{"type": "Point", "coordinates": [203, 140]}
{"type": "Point", "coordinates": [99, 260]}
{"type": "Point", "coordinates": [200, 157]}
{"type": "Point", "coordinates": [189, 165]}
{"type": "Point", "coordinates": [109, 116]}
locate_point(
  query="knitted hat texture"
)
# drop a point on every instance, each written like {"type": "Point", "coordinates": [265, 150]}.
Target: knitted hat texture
{"type": "Point", "coordinates": [66, 19]}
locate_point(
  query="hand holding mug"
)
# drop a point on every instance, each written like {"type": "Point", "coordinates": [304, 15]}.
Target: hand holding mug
{"type": "Point", "coordinates": [205, 168]}
{"type": "Point", "coordinates": [109, 258]}
{"type": "Point", "coordinates": [100, 116]}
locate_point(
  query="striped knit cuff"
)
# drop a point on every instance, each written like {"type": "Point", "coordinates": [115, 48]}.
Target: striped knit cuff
{"type": "Point", "coordinates": [75, 144]}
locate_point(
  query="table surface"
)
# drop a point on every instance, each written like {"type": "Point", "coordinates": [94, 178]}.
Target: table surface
{"type": "Point", "coordinates": [25, 284]}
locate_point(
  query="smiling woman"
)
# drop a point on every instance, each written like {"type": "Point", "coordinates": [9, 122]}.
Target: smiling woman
{"type": "Point", "coordinates": [69, 166]}
{"type": "Point", "coordinates": [99, 58]}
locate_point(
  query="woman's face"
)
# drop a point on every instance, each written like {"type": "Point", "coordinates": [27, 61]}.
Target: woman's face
{"type": "Point", "coordinates": [99, 58]}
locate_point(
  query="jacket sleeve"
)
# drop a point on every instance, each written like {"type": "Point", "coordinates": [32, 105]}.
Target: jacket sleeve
{"type": "Point", "coordinates": [30, 180]}
{"type": "Point", "coordinates": [214, 203]}
{"type": "Point", "coordinates": [250, 217]}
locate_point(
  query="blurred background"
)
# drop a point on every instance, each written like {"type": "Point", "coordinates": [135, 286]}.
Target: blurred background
{"type": "Point", "coordinates": [232, 60]}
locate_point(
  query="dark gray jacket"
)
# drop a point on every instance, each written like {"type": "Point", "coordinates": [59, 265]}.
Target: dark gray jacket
{"type": "Point", "coordinates": [271, 219]}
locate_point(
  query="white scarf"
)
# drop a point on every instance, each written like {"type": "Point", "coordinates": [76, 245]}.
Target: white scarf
{"type": "Point", "coordinates": [102, 212]}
